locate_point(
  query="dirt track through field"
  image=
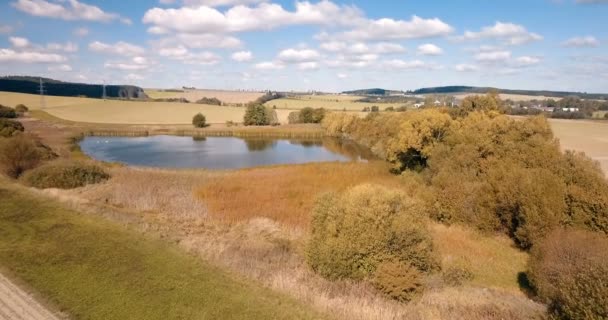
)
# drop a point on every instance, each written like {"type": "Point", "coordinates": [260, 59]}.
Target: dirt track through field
{"type": "Point", "coordinates": [16, 304]}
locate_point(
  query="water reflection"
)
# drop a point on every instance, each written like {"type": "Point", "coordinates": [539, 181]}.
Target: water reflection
{"type": "Point", "coordinates": [220, 152]}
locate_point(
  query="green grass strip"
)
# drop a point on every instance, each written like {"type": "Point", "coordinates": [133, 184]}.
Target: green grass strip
{"type": "Point", "coordinates": [94, 269]}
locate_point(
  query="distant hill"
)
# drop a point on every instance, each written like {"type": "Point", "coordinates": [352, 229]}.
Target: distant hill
{"type": "Point", "coordinates": [26, 84]}
{"type": "Point", "coordinates": [479, 90]}
{"type": "Point", "coordinates": [372, 92]}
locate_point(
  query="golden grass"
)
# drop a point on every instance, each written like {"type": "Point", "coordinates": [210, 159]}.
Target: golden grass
{"type": "Point", "coordinates": [296, 103]}
{"type": "Point", "coordinates": [587, 136]}
{"type": "Point", "coordinates": [494, 260]}
{"type": "Point", "coordinates": [226, 96]}
{"type": "Point", "coordinates": [285, 193]}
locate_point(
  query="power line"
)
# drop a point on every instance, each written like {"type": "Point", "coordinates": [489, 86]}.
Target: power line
{"type": "Point", "coordinates": [41, 90]}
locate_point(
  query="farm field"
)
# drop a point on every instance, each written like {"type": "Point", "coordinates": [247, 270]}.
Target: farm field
{"type": "Point", "coordinates": [514, 97]}
{"type": "Point", "coordinates": [128, 112]}
{"type": "Point", "coordinates": [330, 102]}
{"type": "Point", "coordinates": [590, 137]}
{"type": "Point", "coordinates": [226, 96]}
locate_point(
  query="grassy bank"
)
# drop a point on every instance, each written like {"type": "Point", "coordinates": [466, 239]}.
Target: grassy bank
{"type": "Point", "coordinates": [93, 269]}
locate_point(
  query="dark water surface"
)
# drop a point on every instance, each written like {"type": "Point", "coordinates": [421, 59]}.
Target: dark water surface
{"type": "Point", "coordinates": [219, 152]}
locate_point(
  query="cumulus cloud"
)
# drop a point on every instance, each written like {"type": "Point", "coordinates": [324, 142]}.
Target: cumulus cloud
{"type": "Point", "coordinates": [390, 29]}
{"type": "Point", "coordinates": [4, 29]}
{"type": "Point", "coordinates": [242, 56]}
{"type": "Point", "coordinates": [493, 56]}
{"type": "Point", "coordinates": [265, 16]}
{"type": "Point", "coordinates": [198, 41]}
{"type": "Point", "coordinates": [526, 61]}
{"type": "Point", "coordinates": [66, 47]}
{"type": "Point", "coordinates": [62, 67]}
{"type": "Point", "coordinates": [9, 55]}
{"type": "Point", "coordinates": [19, 42]}
{"type": "Point", "coordinates": [361, 47]}
{"type": "Point", "coordinates": [81, 32]}
{"type": "Point", "coordinates": [136, 63]}
{"type": "Point", "coordinates": [298, 55]}
{"type": "Point", "coordinates": [120, 48]}
{"type": "Point", "coordinates": [67, 10]}
{"type": "Point", "coordinates": [269, 65]}
{"type": "Point", "coordinates": [181, 53]}
{"type": "Point", "coordinates": [509, 33]}
{"type": "Point", "coordinates": [414, 64]}
{"type": "Point", "coordinates": [466, 67]}
{"type": "Point", "coordinates": [217, 3]}
{"type": "Point", "coordinates": [581, 42]}
{"type": "Point", "coordinates": [429, 49]}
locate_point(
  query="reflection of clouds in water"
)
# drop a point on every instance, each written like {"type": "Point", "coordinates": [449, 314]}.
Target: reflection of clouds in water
{"type": "Point", "coordinates": [215, 152]}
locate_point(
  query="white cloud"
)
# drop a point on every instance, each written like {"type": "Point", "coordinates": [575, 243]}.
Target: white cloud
{"type": "Point", "coordinates": [136, 63]}
{"type": "Point", "coordinates": [296, 55]}
{"type": "Point", "coordinates": [217, 3]}
{"type": "Point", "coordinates": [466, 67]}
{"type": "Point", "coordinates": [269, 65]}
{"type": "Point", "coordinates": [493, 56]}
{"type": "Point", "coordinates": [81, 32]}
{"type": "Point", "coordinates": [9, 55]}
{"type": "Point", "coordinates": [526, 61]}
{"type": "Point", "coordinates": [510, 33]}
{"type": "Point", "coordinates": [67, 47]}
{"type": "Point", "coordinates": [580, 42]}
{"type": "Point", "coordinates": [119, 48]}
{"type": "Point", "coordinates": [429, 49]}
{"type": "Point", "coordinates": [134, 77]}
{"type": "Point", "coordinates": [362, 47]}
{"type": "Point", "coordinates": [265, 16]}
{"type": "Point", "coordinates": [390, 29]}
{"type": "Point", "coordinates": [242, 56]}
{"type": "Point", "coordinates": [62, 67]}
{"type": "Point", "coordinates": [4, 29]}
{"type": "Point", "coordinates": [66, 10]}
{"type": "Point", "coordinates": [312, 65]}
{"type": "Point", "coordinates": [401, 64]}
{"type": "Point", "coordinates": [198, 41]}
{"type": "Point", "coordinates": [19, 42]}
{"type": "Point", "coordinates": [179, 51]}
{"type": "Point", "coordinates": [342, 75]}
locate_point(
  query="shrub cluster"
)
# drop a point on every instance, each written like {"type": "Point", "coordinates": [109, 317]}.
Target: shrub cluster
{"type": "Point", "coordinates": [569, 270]}
{"type": "Point", "coordinates": [199, 121]}
{"type": "Point", "coordinates": [64, 175]}
{"type": "Point", "coordinates": [307, 115]}
{"type": "Point", "coordinates": [259, 115]}
{"type": "Point", "coordinates": [9, 128]}
{"type": "Point", "coordinates": [485, 169]}
{"type": "Point", "coordinates": [21, 153]}
{"type": "Point", "coordinates": [21, 109]}
{"type": "Point", "coordinates": [375, 234]}
{"type": "Point", "coordinates": [210, 101]}
{"type": "Point", "coordinates": [7, 112]}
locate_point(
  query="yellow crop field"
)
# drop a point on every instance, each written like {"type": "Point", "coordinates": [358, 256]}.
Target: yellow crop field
{"type": "Point", "coordinates": [329, 102]}
{"type": "Point", "coordinates": [226, 96]}
{"type": "Point", "coordinates": [590, 137]}
{"type": "Point", "coordinates": [128, 112]}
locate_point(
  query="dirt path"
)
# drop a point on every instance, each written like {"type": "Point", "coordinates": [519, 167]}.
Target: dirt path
{"type": "Point", "coordinates": [16, 304]}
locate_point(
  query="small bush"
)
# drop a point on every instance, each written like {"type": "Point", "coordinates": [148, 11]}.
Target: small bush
{"type": "Point", "coordinates": [389, 109]}
{"type": "Point", "coordinates": [398, 280]}
{"type": "Point", "coordinates": [21, 153]}
{"type": "Point", "coordinates": [256, 115]}
{"type": "Point", "coordinates": [210, 101]}
{"type": "Point", "coordinates": [9, 128]}
{"type": "Point", "coordinates": [6, 112]}
{"type": "Point", "coordinates": [21, 109]}
{"type": "Point", "coordinates": [375, 109]}
{"type": "Point", "coordinates": [294, 117]}
{"type": "Point", "coordinates": [355, 232]}
{"type": "Point", "coordinates": [199, 121]}
{"type": "Point", "coordinates": [457, 273]}
{"type": "Point", "coordinates": [569, 270]}
{"type": "Point", "coordinates": [64, 175]}
{"type": "Point", "coordinates": [606, 115]}
{"type": "Point", "coordinates": [230, 123]}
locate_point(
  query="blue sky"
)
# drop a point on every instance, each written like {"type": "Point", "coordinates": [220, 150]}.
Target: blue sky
{"type": "Point", "coordinates": [310, 45]}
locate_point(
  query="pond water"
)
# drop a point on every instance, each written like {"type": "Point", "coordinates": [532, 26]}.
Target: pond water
{"type": "Point", "coordinates": [219, 152]}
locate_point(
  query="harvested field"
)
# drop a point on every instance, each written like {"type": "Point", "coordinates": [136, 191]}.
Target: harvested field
{"type": "Point", "coordinates": [590, 137]}
{"type": "Point", "coordinates": [332, 103]}
{"type": "Point", "coordinates": [514, 97]}
{"type": "Point", "coordinates": [226, 96]}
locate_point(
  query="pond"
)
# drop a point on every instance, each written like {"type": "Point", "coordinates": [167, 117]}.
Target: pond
{"type": "Point", "coordinates": [220, 152]}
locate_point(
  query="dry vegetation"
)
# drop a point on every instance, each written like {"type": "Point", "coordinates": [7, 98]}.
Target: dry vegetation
{"type": "Point", "coordinates": [329, 102]}
{"type": "Point", "coordinates": [513, 97]}
{"type": "Point", "coordinates": [285, 194]}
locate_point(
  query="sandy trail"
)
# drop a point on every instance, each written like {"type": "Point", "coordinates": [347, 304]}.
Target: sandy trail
{"type": "Point", "coordinates": [16, 304]}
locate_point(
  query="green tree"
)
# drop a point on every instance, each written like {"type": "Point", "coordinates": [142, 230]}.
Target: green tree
{"type": "Point", "coordinates": [256, 115]}
{"type": "Point", "coordinates": [199, 121]}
